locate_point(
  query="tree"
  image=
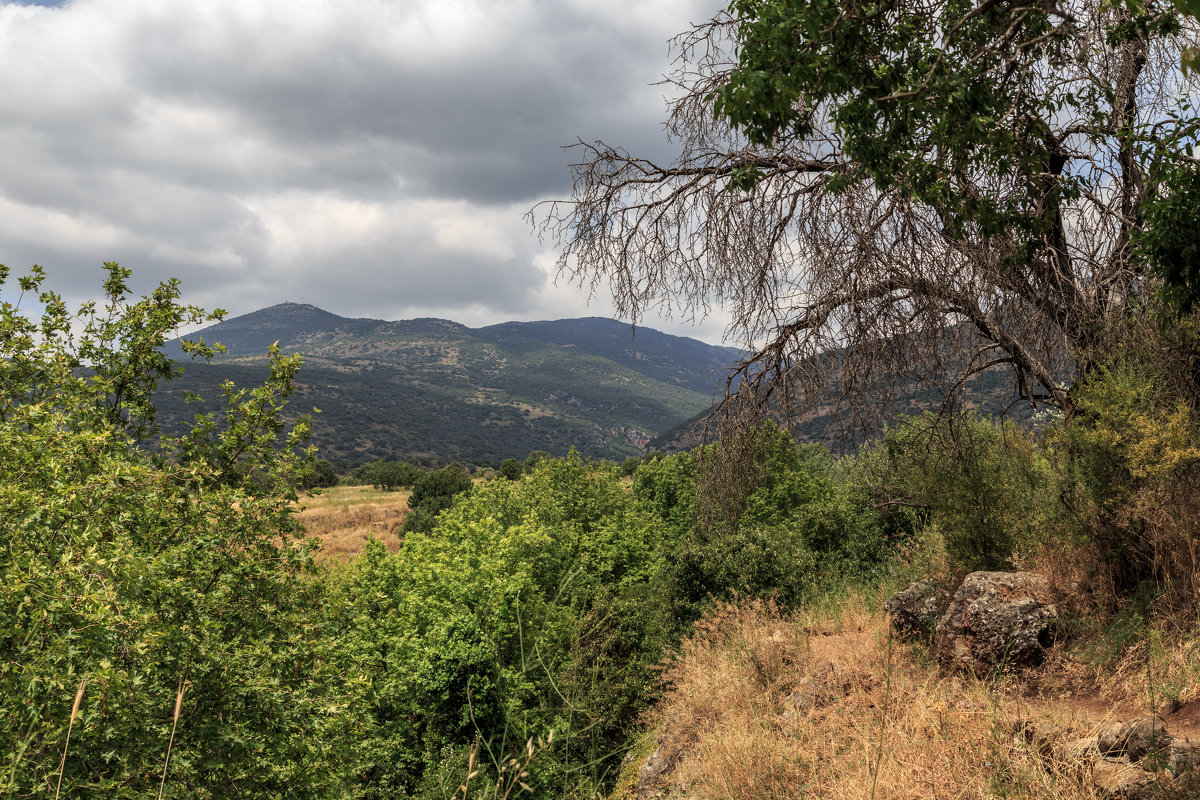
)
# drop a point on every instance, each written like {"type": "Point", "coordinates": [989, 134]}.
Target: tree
{"type": "Point", "coordinates": [161, 582]}
{"type": "Point", "coordinates": [511, 469]}
{"type": "Point", "coordinates": [323, 476]}
{"type": "Point", "coordinates": [896, 189]}
{"type": "Point", "coordinates": [390, 475]}
{"type": "Point", "coordinates": [432, 494]}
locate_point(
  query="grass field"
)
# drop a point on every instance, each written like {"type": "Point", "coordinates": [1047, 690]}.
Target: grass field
{"type": "Point", "coordinates": [344, 517]}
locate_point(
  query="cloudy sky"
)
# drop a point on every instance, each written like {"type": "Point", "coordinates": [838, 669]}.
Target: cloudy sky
{"type": "Point", "coordinates": [372, 157]}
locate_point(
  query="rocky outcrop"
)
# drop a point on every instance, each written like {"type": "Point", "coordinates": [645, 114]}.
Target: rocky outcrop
{"type": "Point", "coordinates": [1130, 760]}
{"type": "Point", "coordinates": [914, 612]}
{"type": "Point", "coordinates": [650, 777]}
{"type": "Point", "coordinates": [995, 620]}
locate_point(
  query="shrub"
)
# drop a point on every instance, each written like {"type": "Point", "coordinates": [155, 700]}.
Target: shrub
{"type": "Point", "coordinates": [511, 469]}
{"type": "Point", "coordinates": [985, 484]}
{"type": "Point", "coordinates": [433, 493]}
{"type": "Point", "coordinates": [1130, 459]}
{"type": "Point", "coordinates": [152, 574]}
{"type": "Point", "coordinates": [795, 526]}
{"type": "Point", "coordinates": [532, 606]}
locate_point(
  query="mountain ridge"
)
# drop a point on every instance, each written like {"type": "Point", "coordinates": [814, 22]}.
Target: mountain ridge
{"type": "Point", "coordinates": [432, 388]}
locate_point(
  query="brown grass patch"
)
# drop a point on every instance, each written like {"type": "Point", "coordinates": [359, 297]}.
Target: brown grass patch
{"type": "Point", "coordinates": [761, 705]}
{"type": "Point", "coordinates": [345, 517]}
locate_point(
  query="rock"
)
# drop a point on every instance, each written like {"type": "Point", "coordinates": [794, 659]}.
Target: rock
{"type": "Point", "coordinates": [996, 619]}
{"type": "Point", "coordinates": [1043, 736]}
{"type": "Point", "coordinates": [815, 690]}
{"type": "Point", "coordinates": [915, 611]}
{"type": "Point", "coordinates": [1122, 781]}
{"type": "Point", "coordinates": [1182, 756]}
{"type": "Point", "coordinates": [1136, 740]}
{"type": "Point", "coordinates": [657, 765]}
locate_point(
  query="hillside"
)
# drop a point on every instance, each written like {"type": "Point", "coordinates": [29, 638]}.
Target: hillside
{"type": "Point", "coordinates": [431, 388]}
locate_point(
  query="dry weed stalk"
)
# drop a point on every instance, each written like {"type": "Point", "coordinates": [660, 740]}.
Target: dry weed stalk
{"type": "Point", "coordinates": [170, 742]}
{"type": "Point", "coordinates": [510, 775]}
{"type": "Point", "coordinates": [70, 725]}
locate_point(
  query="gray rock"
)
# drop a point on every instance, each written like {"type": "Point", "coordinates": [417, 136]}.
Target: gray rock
{"type": "Point", "coordinates": [1122, 781]}
{"type": "Point", "coordinates": [815, 690]}
{"type": "Point", "coordinates": [1182, 756]}
{"type": "Point", "coordinates": [996, 619]}
{"type": "Point", "coordinates": [654, 768]}
{"type": "Point", "coordinates": [915, 611]}
{"type": "Point", "coordinates": [1144, 738]}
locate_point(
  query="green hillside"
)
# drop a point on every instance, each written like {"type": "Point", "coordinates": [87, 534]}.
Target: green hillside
{"type": "Point", "coordinates": [435, 388]}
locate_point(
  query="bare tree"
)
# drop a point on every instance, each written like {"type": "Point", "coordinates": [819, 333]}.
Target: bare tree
{"type": "Point", "coordinates": [883, 191]}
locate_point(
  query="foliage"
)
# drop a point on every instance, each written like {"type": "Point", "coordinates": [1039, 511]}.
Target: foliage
{"type": "Point", "coordinates": [389, 475]}
{"type": "Point", "coordinates": [630, 465]}
{"type": "Point", "coordinates": [511, 469]}
{"type": "Point", "coordinates": [534, 458]}
{"type": "Point", "coordinates": [985, 484]}
{"type": "Point", "coordinates": [433, 493]}
{"type": "Point", "coordinates": [797, 525]}
{"type": "Point", "coordinates": [531, 607]}
{"type": "Point", "coordinates": [322, 477]}
{"type": "Point", "coordinates": [1131, 462]}
{"type": "Point", "coordinates": [881, 194]}
{"type": "Point", "coordinates": [165, 584]}
{"type": "Point", "coordinates": [1170, 239]}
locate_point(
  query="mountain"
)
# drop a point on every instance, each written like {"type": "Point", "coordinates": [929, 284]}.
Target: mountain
{"type": "Point", "coordinates": [842, 428]}
{"type": "Point", "coordinates": [432, 388]}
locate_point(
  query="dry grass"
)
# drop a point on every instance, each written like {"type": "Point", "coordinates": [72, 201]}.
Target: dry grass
{"type": "Point", "coordinates": [345, 517]}
{"type": "Point", "coordinates": [827, 706]}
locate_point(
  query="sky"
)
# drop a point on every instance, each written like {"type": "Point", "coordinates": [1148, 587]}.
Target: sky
{"type": "Point", "coordinates": [375, 158]}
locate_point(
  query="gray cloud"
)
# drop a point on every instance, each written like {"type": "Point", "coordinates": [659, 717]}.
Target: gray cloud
{"type": "Point", "coordinates": [371, 157]}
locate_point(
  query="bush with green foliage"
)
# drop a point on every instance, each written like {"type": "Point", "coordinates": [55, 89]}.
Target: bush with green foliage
{"type": "Point", "coordinates": [1130, 460]}
{"type": "Point", "coordinates": [987, 485]}
{"type": "Point", "coordinates": [511, 469]}
{"type": "Point", "coordinates": [389, 475]}
{"type": "Point", "coordinates": [532, 606]}
{"type": "Point", "coordinates": [630, 465]}
{"type": "Point", "coordinates": [534, 458]}
{"type": "Point", "coordinates": [433, 493]}
{"type": "Point", "coordinates": [796, 526]}
{"type": "Point", "coordinates": [162, 583]}
{"type": "Point", "coordinates": [323, 476]}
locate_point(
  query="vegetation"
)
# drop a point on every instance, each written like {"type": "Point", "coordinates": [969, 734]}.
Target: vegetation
{"type": "Point", "coordinates": [165, 588]}
{"type": "Point", "coordinates": [879, 193]}
{"type": "Point", "coordinates": [433, 493]}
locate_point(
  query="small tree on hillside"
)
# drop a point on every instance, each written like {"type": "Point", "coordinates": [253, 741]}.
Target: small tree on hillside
{"type": "Point", "coordinates": [432, 494]}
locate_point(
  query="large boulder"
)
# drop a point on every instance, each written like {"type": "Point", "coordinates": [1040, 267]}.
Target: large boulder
{"type": "Point", "coordinates": [914, 612]}
{"type": "Point", "coordinates": [995, 620]}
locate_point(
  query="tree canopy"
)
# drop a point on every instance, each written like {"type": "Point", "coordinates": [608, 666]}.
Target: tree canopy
{"type": "Point", "coordinates": [897, 188]}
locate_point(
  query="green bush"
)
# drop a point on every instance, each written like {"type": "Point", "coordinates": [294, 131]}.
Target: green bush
{"type": "Point", "coordinates": [389, 475]}
{"type": "Point", "coordinates": [532, 606]}
{"type": "Point", "coordinates": [152, 572]}
{"type": "Point", "coordinates": [987, 485]}
{"type": "Point", "coordinates": [433, 493]}
{"type": "Point", "coordinates": [323, 475]}
{"type": "Point", "coordinates": [796, 526]}
{"type": "Point", "coordinates": [511, 469]}
{"type": "Point", "coordinates": [1129, 461]}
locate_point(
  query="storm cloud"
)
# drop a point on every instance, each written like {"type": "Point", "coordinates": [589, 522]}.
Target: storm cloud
{"type": "Point", "coordinates": [373, 158]}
